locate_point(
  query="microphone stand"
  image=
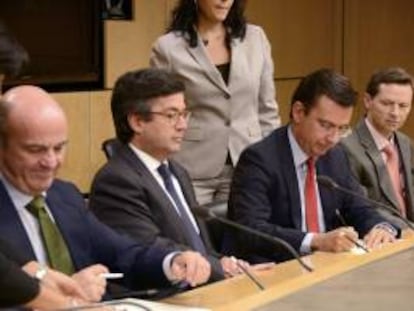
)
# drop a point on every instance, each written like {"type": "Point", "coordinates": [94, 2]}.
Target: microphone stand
{"type": "Point", "coordinates": [203, 212]}
{"type": "Point", "coordinates": [242, 268]}
{"type": "Point", "coordinates": [328, 182]}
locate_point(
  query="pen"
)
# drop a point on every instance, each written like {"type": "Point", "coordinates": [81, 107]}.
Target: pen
{"type": "Point", "coordinates": [112, 276]}
{"type": "Point", "coordinates": [358, 244]}
{"type": "Point", "coordinates": [343, 222]}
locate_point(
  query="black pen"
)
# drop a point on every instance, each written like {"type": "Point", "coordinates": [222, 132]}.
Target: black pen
{"type": "Point", "coordinates": [343, 222]}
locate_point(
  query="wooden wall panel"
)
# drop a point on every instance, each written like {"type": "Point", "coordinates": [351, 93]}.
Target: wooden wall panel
{"type": "Point", "coordinates": [285, 89]}
{"type": "Point", "coordinates": [76, 167]}
{"type": "Point", "coordinates": [378, 33]}
{"type": "Point", "coordinates": [128, 43]}
{"type": "Point", "coordinates": [101, 127]}
{"type": "Point", "coordinates": [305, 35]}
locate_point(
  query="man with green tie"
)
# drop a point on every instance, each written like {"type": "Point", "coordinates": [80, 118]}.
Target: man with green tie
{"type": "Point", "coordinates": [42, 214]}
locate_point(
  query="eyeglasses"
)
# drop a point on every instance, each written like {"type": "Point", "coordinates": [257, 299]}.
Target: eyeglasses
{"type": "Point", "coordinates": [173, 116]}
{"type": "Point", "coordinates": [331, 128]}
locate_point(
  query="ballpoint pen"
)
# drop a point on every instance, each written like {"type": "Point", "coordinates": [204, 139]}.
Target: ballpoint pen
{"type": "Point", "coordinates": [343, 222]}
{"type": "Point", "coordinates": [112, 276]}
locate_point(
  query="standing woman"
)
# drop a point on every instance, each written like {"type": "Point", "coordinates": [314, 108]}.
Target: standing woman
{"type": "Point", "coordinates": [227, 69]}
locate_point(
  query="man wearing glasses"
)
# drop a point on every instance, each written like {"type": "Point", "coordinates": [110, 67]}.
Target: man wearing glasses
{"type": "Point", "coordinates": [141, 191]}
{"type": "Point", "coordinates": [275, 188]}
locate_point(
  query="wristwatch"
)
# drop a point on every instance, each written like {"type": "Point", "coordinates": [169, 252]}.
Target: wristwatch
{"type": "Point", "coordinates": [41, 272]}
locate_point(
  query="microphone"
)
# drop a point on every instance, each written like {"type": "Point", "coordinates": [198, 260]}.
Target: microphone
{"type": "Point", "coordinates": [205, 213]}
{"type": "Point", "coordinates": [331, 184]}
{"type": "Point", "coordinates": [245, 271]}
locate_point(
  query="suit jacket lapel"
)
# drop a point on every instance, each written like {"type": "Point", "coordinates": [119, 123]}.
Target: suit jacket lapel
{"type": "Point", "coordinates": [190, 198]}
{"type": "Point", "coordinates": [238, 65]}
{"type": "Point", "coordinates": [153, 187]}
{"type": "Point", "coordinates": [185, 186]}
{"type": "Point", "coordinates": [327, 195]}
{"type": "Point", "coordinates": [10, 222]}
{"type": "Point", "coordinates": [199, 53]}
{"type": "Point", "coordinates": [62, 219]}
{"type": "Point", "coordinates": [375, 155]}
{"type": "Point", "coordinates": [404, 147]}
{"type": "Point", "coordinates": [289, 175]}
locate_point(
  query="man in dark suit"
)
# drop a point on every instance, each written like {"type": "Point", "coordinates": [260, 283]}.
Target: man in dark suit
{"type": "Point", "coordinates": [130, 192]}
{"type": "Point", "coordinates": [387, 101]}
{"type": "Point", "coordinates": [275, 189]}
{"type": "Point", "coordinates": [40, 213]}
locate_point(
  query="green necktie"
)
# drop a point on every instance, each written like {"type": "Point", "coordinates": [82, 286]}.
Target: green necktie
{"type": "Point", "coordinates": [57, 251]}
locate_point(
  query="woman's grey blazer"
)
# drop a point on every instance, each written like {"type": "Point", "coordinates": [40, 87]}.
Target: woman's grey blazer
{"type": "Point", "coordinates": [224, 118]}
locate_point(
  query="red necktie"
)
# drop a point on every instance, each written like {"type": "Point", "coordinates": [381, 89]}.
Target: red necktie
{"type": "Point", "coordinates": [311, 203]}
{"type": "Point", "coordinates": [393, 167]}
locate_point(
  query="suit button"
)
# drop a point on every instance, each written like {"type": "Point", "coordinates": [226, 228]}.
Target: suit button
{"type": "Point", "coordinates": [228, 123]}
{"type": "Point", "coordinates": [227, 96]}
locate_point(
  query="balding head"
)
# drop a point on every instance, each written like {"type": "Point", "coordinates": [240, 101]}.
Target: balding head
{"type": "Point", "coordinates": [33, 136]}
{"type": "Point", "coordinates": [27, 104]}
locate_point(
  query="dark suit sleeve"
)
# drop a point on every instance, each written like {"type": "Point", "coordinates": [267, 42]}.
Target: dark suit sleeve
{"type": "Point", "coordinates": [357, 212]}
{"type": "Point", "coordinates": [12, 253]}
{"type": "Point", "coordinates": [16, 287]}
{"type": "Point", "coordinates": [127, 207]}
{"type": "Point", "coordinates": [259, 199]}
{"type": "Point", "coordinates": [91, 241]}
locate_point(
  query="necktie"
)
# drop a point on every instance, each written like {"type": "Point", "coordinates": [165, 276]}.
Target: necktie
{"type": "Point", "coordinates": [311, 203]}
{"type": "Point", "coordinates": [393, 168]}
{"type": "Point", "coordinates": [196, 242]}
{"type": "Point", "coordinates": [57, 251]}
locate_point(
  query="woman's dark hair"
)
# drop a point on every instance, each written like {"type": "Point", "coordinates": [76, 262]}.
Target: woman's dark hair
{"type": "Point", "coordinates": [12, 55]}
{"type": "Point", "coordinates": [185, 17]}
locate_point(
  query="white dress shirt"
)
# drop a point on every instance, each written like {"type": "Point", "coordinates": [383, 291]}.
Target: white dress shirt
{"type": "Point", "coordinates": [299, 159]}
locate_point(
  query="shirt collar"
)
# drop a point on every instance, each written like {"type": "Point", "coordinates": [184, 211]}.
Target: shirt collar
{"type": "Point", "coordinates": [379, 139]}
{"type": "Point", "coordinates": [19, 198]}
{"type": "Point", "coordinates": [299, 156]}
{"type": "Point", "coordinates": [150, 162]}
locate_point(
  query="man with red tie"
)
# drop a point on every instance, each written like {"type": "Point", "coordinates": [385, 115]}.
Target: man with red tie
{"type": "Point", "coordinates": [275, 188]}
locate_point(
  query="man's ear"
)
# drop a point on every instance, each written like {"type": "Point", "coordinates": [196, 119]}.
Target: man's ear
{"type": "Point", "coordinates": [135, 123]}
{"type": "Point", "coordinates": [297, 111]}
{"type": "Point", "coordinates": [367, 99]}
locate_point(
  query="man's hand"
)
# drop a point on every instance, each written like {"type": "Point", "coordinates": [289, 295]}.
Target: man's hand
{"type": "Point", "coordinates": [92, 281]}
{"type": "Point", "coordinates": [191, 267]}
{"type": "Point", "coordinates": [57, 281]}
{"type": "Point", "coordinates": [230, 266]}
{"type": "Point", "coordinates": [338, 240]}
{"type": "Point", "coordinates": [233, 266]}
{"type": "Point", "coordinates": [378, 236]}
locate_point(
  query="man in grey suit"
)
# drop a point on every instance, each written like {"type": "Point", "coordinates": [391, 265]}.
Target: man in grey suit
{"type": "Point", "coordinates": [376, 141]}
{"type": "Point", "coordinates": [140, 191]}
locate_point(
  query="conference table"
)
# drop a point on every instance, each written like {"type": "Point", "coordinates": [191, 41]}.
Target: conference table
{"type": "Point", "coordinates": [382, 279]}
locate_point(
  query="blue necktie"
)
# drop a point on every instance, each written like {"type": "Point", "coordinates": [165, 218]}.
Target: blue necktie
{"type": "Point", "coordinates": [196, 242]}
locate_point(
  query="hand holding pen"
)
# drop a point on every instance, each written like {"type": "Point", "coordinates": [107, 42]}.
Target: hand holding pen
{"type": "Point", "coordinates": [354, 241]}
